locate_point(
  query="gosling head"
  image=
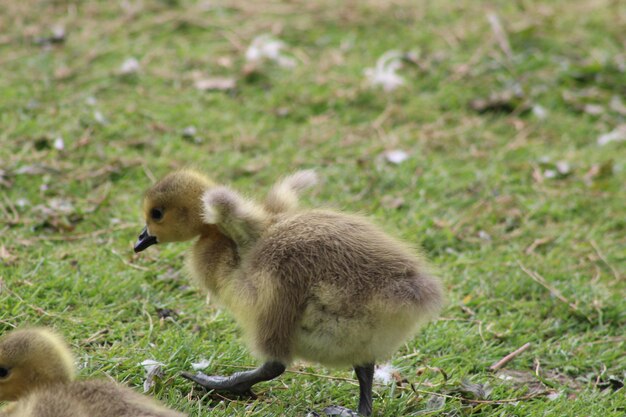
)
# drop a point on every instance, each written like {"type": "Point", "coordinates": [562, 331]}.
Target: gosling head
{"type": "Point", "coordinates": [172, 209]}
{"type": "Point", "coordinates": [32, 358]}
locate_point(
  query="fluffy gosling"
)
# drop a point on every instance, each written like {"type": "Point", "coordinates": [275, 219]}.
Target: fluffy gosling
{"type": "Point", "coordinates": [37, 378]}
{"type": "Point", "coordinates": [318, 285]}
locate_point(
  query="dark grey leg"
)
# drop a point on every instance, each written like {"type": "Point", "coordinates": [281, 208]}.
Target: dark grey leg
{"type": "Point", "coordinates": [365, 375]}
{"type": "Point", "coordinates": [239, 383]}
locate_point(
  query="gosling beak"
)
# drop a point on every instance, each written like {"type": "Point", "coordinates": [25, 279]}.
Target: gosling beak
{"type": "Point", "coordinates": [145, 240]}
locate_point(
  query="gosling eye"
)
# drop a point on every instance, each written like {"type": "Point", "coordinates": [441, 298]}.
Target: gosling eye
{"type": "Point", "coordinates": [4, 372]}
{"type": "Point", "coordinates": [156, 213]}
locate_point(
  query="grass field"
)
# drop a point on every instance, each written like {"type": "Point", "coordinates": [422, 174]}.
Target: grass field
{"type": "Point", "coordinates": [505, 185]}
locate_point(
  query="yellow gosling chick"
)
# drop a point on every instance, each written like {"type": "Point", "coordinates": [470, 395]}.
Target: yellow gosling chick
{"type": "Point", "coordinates": [318, 285]}
{"type": "Point", "coordinates": [37, 378]}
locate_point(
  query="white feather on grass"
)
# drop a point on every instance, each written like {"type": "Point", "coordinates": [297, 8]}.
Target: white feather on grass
{"type": "Point", "coordinates": [266, 47]}
{"type": "Point", "coordinates": [616, 135]}
{"type": "Point", "coordinates": [384, 374]}
{"type": "Point", "coordinates": [384, 74]}
{"type": "Point", "coordinates": [203, 364]}
{"type": "Point", "coordinates": [129, 66]}
{"type": "Point", "coordinates": [153, 369]}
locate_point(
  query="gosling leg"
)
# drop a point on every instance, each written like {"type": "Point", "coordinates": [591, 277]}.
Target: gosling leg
{"type": "Point", "coordinates": [365, 375]}
{"type": "Point", "coordinates": [239, 383]}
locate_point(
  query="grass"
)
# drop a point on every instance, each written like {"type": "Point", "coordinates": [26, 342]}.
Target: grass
{"type": "Point", "coordinates": [477, 191]}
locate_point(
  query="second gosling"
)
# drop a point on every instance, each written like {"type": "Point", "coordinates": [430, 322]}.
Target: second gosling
{"type": "Point", "coordinates": [318, 285]}
{"type": "Point", "coordinates": [37, 379]}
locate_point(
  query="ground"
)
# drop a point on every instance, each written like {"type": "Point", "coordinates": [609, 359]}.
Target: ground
{"type": "Point", "coordinates": [506, 132]}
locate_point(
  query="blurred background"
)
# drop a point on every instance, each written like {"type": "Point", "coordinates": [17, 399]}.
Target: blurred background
{"type": "Point", "coordinates": [490, 133]}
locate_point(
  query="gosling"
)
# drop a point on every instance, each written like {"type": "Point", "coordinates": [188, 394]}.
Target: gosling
{"type": "Point", "coordinates": [37, 378]}
{"type": "Point", "coordinates": [317, 285]}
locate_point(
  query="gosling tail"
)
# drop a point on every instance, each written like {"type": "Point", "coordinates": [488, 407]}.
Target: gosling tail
{"type": "Point", "coordinates": [284, 194]}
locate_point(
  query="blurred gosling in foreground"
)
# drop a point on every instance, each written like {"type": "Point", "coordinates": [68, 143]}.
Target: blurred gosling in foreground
{"type": "Point", "coordinates": [37, 378]}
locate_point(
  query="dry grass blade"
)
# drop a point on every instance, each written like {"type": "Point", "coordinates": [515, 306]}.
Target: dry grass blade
{"type": "Point", "coordinates": [536, 243]}
{"type": "Point", "coordinates": [96, 336]}
{"type": "Point", "coordinates": [500, 34]}
{"type": "Point", "coordinates": [509, 357]}
{"type": "Point", "coordinates": [556, 293]}
{"type": "Point", "coordinates": [128, 263]}
{"type": "Point", "coordinates": [616, 273]}
{"type": "Point", "coordinates": [617, 339]}
{"type": "Point", "coordinates": [12, 217]}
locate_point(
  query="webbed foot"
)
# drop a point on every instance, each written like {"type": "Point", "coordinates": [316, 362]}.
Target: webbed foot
{"type": "Point", "coordinates": [221, 383]}
{"type": "Point", "coordinates": [239, 383]}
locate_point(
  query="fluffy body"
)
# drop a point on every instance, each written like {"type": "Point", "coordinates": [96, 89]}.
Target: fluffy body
{"type": "Point", "coordinates": [41, 383]}
{"type": "Point", "coordinates": [321, 286]}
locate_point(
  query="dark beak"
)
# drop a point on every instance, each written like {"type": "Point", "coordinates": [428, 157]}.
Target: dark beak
{"type": "Point", "coordinates": [144, 240]}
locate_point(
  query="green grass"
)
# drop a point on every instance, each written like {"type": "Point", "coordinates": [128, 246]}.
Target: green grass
{"type": "Point", "coordinates": [473, 192]}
